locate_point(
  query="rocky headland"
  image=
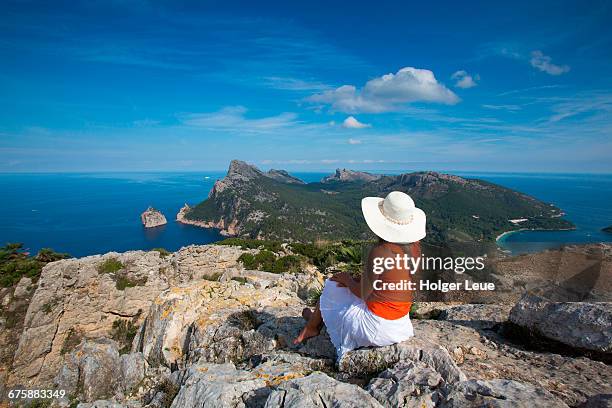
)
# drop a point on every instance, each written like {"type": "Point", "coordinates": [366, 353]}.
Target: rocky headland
{"type": "Point", "coordinates": [152, 218]}
{"type": "Point", "coordinates": [195, 328]}
{"type": "Point", "coordinates": [274, 205]}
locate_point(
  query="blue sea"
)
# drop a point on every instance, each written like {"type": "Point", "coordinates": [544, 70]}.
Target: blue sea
{"type": "Point", "coordinates": [92, 213]}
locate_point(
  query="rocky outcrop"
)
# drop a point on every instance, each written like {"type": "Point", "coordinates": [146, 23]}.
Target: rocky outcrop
{"type": "Point", "coordinates": [498, 394]}
{"type": "Point", "coordinates": [208, 333]}
{"type": "Point", "coordinates": [586, 326]}
{"type": "Point", "coordinates": [319, 390]}
{"type": "Point", "coordinates": [152, 218]}
{"type": "Point", "coordinates": [283, 176]}
{"type": "Point", "coordinates": [407, 384]}
{"type": "Point", "coordinates": [344, 175]}
{"type": "Point", "coordinates": [95, 370]}
{"type": "Point", "coordinates": [82, 298]}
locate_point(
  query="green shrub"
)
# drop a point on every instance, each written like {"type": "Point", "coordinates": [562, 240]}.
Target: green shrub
{"type": "Point", "coordinates": [267, 261]}
{"type": "Point", "coordinates": [16, 263]}
{"type": "Point", "coordinates": [214, 277]}
{"type": "Point", "coordinates": [110, 265]}
{"type": "Point", "coordinates": [162, 252]}
{"type": "Point", "coordinates": [288, 263]}
{"type": "Point", "coordinates": [72, 340]}
{"type": "Point", "coordinates": [123, 281]}
{"type": "Point", "coordinates": [274, 246]}
{"type": "Point", "coordinates": [47, 255]}
{"type": "Point", "coordinates": [123, 332]}
{"type": "Point", "coordinates": [239, 279]}
{"type": "Point", "coordinates": [169, 390]}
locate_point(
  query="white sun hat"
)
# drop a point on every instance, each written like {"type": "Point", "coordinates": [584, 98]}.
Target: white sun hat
{"type": "Point", "coordinates": [394, 218]}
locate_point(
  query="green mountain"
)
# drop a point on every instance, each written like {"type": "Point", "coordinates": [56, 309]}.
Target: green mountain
{"type": "Point", "coordinates": [275, 205]}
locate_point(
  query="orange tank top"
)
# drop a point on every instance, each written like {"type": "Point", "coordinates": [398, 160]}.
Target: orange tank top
{"type": "Point", "coordinates": [390, 310]}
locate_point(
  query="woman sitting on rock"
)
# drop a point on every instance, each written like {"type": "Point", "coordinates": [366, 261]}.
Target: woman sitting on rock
{"type": "Point", "coordinates": [360, 313]}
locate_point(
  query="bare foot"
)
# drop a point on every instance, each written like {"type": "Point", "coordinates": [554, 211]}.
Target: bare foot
{"type": "Point", "coordinates": [306, 313]}
{"type": "Point", "coordinates": [306, 333]}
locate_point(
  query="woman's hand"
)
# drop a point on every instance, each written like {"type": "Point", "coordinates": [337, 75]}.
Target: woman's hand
{"type": "Point", "coordinates": [343, 279]}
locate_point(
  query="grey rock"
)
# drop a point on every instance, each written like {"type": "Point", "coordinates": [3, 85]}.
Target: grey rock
{"type": "Point", "coordinates": [23, 287]}
{"type": "Point", "coordinates": [407, 384]}
{"type": "Point", "coordinates": [581, 325]}
{"type": "Point", "coordinates": [94, 370]}
{"type": "Point", "coordinates": [319, 390]}
{"type": "Point", "coordinates": [132, 371]}
{"type": "Point", "coordinates": [375, 359]}
{"type": "Point", "coordinates": [91, 371]}
{"type": "Point", "coordinates": [218, 385]}
{"type": "Point", "coordinates": [109, 404]}
{"type": "Point", "coordinates": [283, 177]}
{"type": "Point", "coordinates": [477, 315]}
{"type": "Point", "coordinates": [498, 393]}
{"type": "Point", "coordinates": [598, 401]}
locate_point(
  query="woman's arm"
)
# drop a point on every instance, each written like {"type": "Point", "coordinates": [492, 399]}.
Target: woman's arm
{"type": "Point", "coordinates": [346, 280]}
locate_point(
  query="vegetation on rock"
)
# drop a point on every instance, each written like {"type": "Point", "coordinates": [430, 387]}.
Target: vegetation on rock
{"type": "Point", "coordinates": [123, 332]}
{"type": "Point", "coordinates": [16, 263]}
{"type": "Point", "coordinates": [110, 265]}
{"type": "Point", "coordinates": [116, 269]}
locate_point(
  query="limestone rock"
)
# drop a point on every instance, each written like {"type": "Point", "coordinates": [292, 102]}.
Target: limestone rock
{"type": "Point", "coordinates": [91, 370]}
{"type": "Point", "coordinates": [77, 299]}
{"type": "Point", "coordinates": [343, 175]}
{"type": "Point", "coordinates": [319, 390]}
{"type": "Point", "coordinates": [23, 288]}
{"type": "Point", "coordinates": [598, 401]}
{"type": "Point", "coordinates": [283, 176]}
{"type": "Point", "coordinates": [152, 218]}
{"type": "Point", "coordinates": [407, 384]}
{"type": "Point", "coordinates": [218, 385]}
{"type": "Point", "coordinates": [580, 325]}
{"type": "Point", "coordinates": [499, 394]}
{"type": "Point", "coordinates": [375, 359]}
{"type": "Point", "coordinates": [197, 262]}
{"type": "Point", "coordinates": [109, 404]}
{"type": "Point", "coordinates": [481, 315]}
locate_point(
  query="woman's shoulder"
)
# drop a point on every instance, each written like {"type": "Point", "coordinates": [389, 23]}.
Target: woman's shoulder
{"type": "Point", "coordinates": [381, 249]}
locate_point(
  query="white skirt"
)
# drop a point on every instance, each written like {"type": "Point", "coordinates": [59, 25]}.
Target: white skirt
{"type": "Point", "coordinates": [351, 324]}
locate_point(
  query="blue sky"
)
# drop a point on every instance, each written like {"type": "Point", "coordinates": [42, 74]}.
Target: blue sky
{"type": "Point", "coordinates": [137, 85]}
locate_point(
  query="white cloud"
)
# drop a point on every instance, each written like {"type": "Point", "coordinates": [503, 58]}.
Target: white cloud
{"type": "Point", "coordinates": [352, 123]}
{"type": "Point", "coordinates": [464, 80]}
{"type": "Point", "coordinates": [544, 64]}
{"type": "Point", "coordinates": [354, 141]}
{"type": "Point", "coordinates": [388, 92]}
{"type": "Point", "coordinates": [294, 84]}
{"type": "Point", "coordinates": [233, 118]}
{"type": "Point", "coordinates": [511, 108]}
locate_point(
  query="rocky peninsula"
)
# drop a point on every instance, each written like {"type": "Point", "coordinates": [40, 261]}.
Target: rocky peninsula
{"type": "Point", "coordinates": [195, 328]}
{"type": "Point", "coordinates": [249, 202]}
{"type": "Point", "coordinates": [152, 218]}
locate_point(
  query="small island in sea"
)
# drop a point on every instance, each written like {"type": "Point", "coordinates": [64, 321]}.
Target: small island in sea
{"type": "Point", "coordinates": [152, 218]}
{"type": "Point", "coordinates": [607, 229]}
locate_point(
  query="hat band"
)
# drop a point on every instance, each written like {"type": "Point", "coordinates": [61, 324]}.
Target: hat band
{"type": "Point", "coordinates": [393, 220]}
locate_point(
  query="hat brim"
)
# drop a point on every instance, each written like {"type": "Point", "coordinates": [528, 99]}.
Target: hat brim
{"type": "Point", "coordinates": [388, 230]}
